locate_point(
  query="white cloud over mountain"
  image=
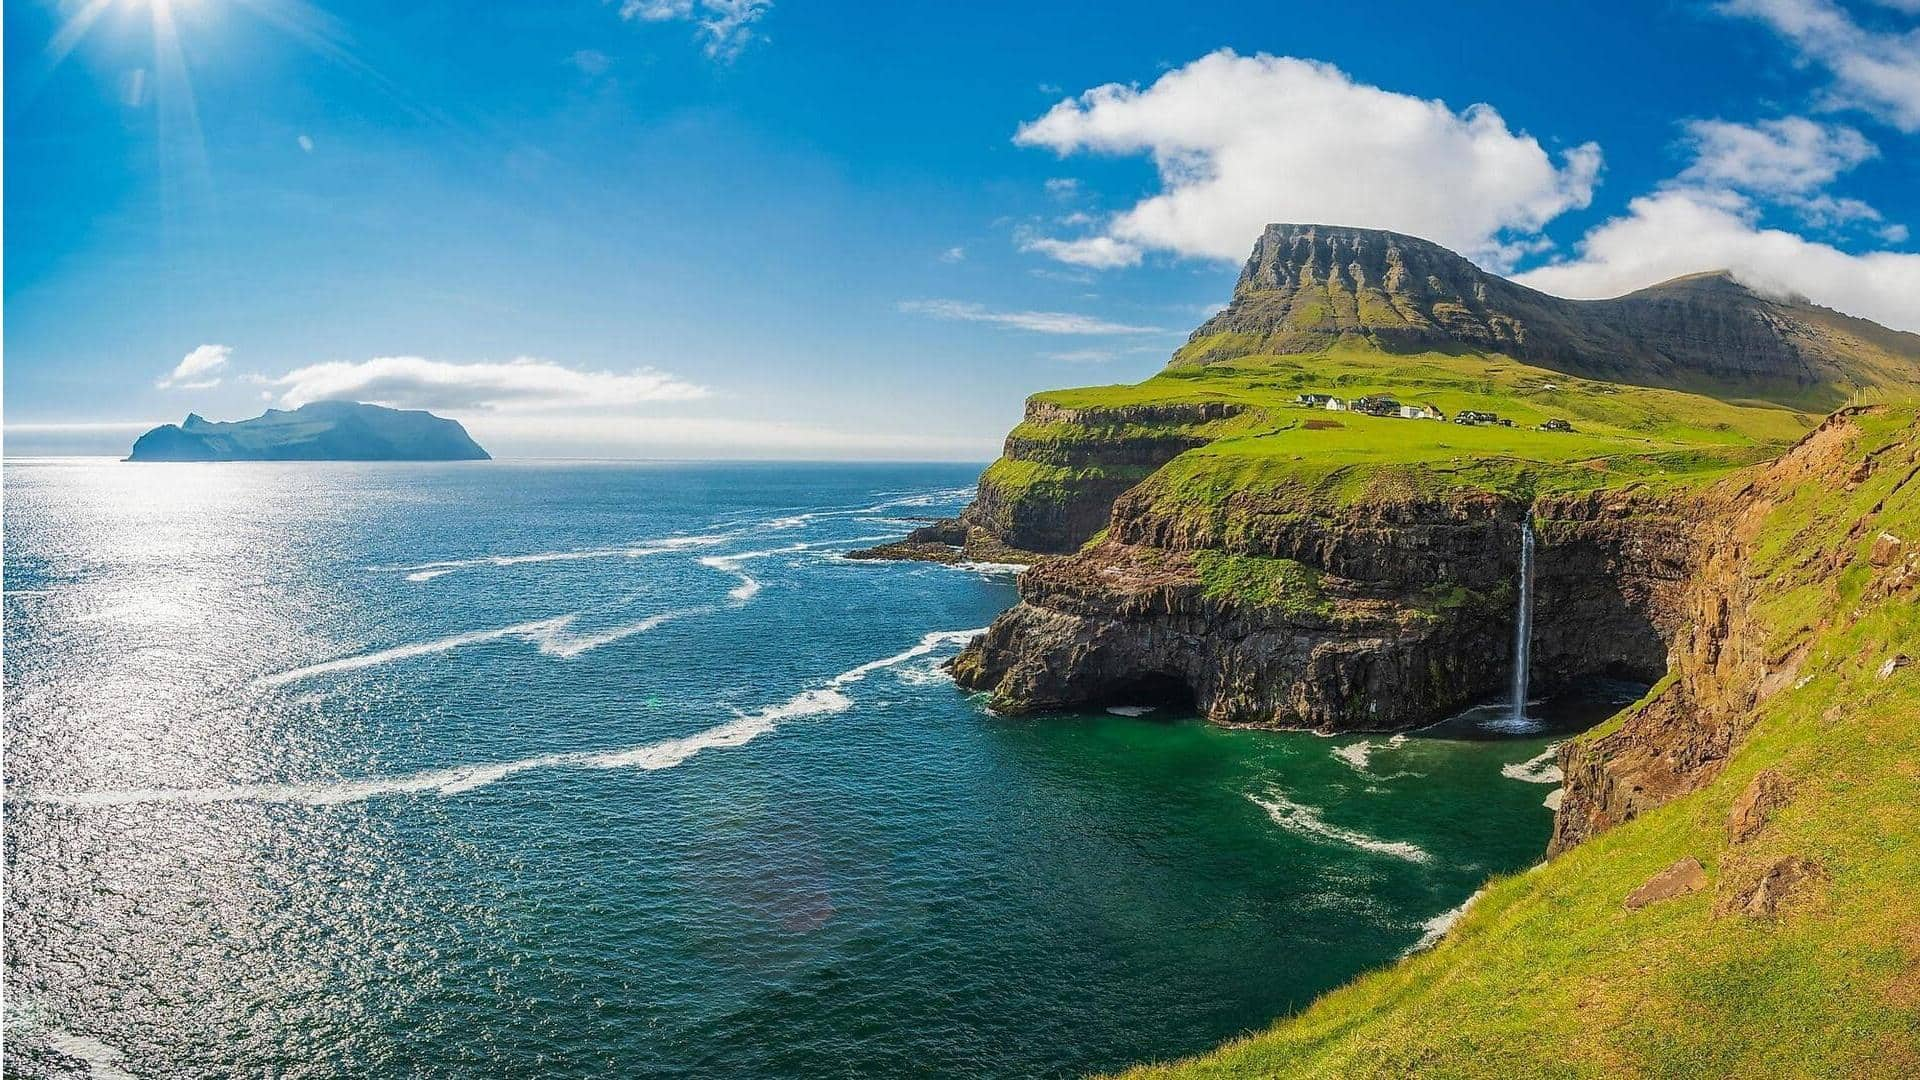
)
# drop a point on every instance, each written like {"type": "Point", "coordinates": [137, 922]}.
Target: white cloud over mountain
{"type": "Point", "coordinates": [522, 385]}
{"type": "Point", "coordinates": [1685, 230]}
{"type": "Point", "coordinates": [1241, 141]}
{"type": "Point", "coordinates": [198, 370]}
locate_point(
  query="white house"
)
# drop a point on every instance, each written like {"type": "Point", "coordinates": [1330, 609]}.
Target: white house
{"type": "Point", "coordinates": [1334, 404]}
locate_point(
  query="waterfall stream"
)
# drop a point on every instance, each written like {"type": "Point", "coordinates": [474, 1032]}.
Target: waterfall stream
{"type": "Point", "coordinates": [1523, 623]}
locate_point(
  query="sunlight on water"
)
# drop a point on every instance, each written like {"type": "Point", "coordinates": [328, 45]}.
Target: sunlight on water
{"type": "Point", "coordinates": [577, 770]}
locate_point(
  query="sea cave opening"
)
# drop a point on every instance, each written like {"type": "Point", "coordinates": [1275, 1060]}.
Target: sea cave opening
{"type": "Point", "coordinates": [1164, 692]}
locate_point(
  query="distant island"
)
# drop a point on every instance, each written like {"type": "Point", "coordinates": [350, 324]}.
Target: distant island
{"type": "Point", "coordinates": [317, 431]}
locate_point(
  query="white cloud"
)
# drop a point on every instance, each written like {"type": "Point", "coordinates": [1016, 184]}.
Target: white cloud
{"type": "Point", "coordinates": [953, 255]}
{"type": "Point", "coordinates": [1686, 230]}
{"type": "Point", "coordinates": [1872, 70]}
{"type": "Point", "coordinates": [198, 370]}
{"type": "Point", "coordinates": [1063, 187]}
{"type": "Point", "coordinates": [520, 385]}
{"type": "Point", "coordinates": [1789, 156]}
{"type": "Point", "coordinates": [306, 143]}
{"type": "Point", "coordinates": [1082, 356]}
{"type": "Point", "coordinates": [1097, 252]}
{"type": "Point", "coordinates": [1242, 141]}
{"type": "Point", "coordinates": [1042, 322]}
{"type": "Point", "coordinates": [727, 25]}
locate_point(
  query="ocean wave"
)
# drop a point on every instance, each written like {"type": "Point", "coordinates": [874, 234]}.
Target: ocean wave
{"type": "Point", "coordinates": [429, 570]}
{"type": "Point", "coordinates": [548, 635]}
{"type": "Point", "coordinates": [827, 699]}
{"type": "Point", "coordinates": [1307, 821]}
{"type": "Point", "coordinates": [922, 499]}
{"type": "Point", "coordinates": [1436, 928]}
{"type": "Point", "coordinates": [1540, 769]}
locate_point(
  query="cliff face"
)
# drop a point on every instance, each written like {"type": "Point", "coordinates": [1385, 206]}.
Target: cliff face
{"type": "Point", "coordinates": [1731, 652]}
{"type": "Point", "coordinates": [1382, 616]}
{"type": "Point", "coordinates": [1306, 286]}
{"type": "Point", "coordinates": [1062, 468]}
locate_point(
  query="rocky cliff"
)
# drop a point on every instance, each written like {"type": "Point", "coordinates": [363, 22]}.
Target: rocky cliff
{"type": "Point", "coordinates": [1306, 286]}
{"type": "Point", "coordinates": [1732, 892]}
{"type": "Point", "coordinates": [1379, 616]}
{"type": "Point", "coordinates": [1733, 651]}
{"type": "Point", "coordinates": [1273, 564]}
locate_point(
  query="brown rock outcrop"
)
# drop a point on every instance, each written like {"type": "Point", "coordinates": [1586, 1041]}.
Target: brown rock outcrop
{"type": "Point", "coordinates": [1683, 877]}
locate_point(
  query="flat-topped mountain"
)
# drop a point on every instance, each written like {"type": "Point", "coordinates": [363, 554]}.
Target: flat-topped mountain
{"type": "Point", "coordinates": [318, 431]}
{"type": "Point", "coordinates": [1306, 287]}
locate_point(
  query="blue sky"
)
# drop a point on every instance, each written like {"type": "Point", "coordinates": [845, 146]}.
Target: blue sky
{"type": "Point", "coordinates": [804, 229]}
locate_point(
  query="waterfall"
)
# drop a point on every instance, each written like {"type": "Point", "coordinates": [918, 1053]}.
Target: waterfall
{"type": "Point", "coordinates": [1523, 622]}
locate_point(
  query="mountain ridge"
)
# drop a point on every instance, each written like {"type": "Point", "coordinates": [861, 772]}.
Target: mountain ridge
{"type": "Point", "coordinates": [1305, 287]}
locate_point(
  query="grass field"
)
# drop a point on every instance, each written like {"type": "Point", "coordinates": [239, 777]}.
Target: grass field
{"type": "Point", "coordinates": [1622, 434]}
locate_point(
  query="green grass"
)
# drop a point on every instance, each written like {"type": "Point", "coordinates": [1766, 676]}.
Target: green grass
{"type": "Point", "coordinates": [1314, 459]}
{"type": "Point", "coordinates": [1258, 581]}
{"type": "Point", "coordinates": [1548, 974]}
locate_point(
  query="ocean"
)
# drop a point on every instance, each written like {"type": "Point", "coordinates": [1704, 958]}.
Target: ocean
{"type": "Point", "coordinates": [586, 769]}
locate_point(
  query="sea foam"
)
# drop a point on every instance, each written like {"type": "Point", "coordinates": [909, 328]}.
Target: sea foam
{"type": "Point", "coordinates": [1307, 821]}
{"type": "Point", "coordinates": [1540, 769]}
{"type": "Point", "coordinates": [823, 700]}
{"type": "Point", "coordinates": [548, 635]}
{"type": "Point", "coordinates": [430, 570]}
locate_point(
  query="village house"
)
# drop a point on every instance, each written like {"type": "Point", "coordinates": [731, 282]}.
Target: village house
{"type": "Point", "coordinates": [1469, 416]}
{"type": "Point", "coordinates": [1334, 404]}
{"type": "Point", "coordinates": [1556, 425]}
{"type": "Point", "coordinates": [1376, 405]}
{"type": "Point", "coordinates": [1314, 401]}
{"type": "Point", "coordinates": [1421, 412]}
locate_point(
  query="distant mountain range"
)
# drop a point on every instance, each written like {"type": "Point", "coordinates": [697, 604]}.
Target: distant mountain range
{"type": "Point", "coordinates": [1306, 287]}
{"type": "Point", "coordinates": [318, 431]}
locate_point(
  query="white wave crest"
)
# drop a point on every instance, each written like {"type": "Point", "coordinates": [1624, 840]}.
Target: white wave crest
{"type": "Point", "coordinates": [665, 754]}
{"type": "Point", "coordinates": [1130, 710]}
{"type": "Point", "coordinates": [430, 570]}
{"type": "Point", "coordinates": [549, 635]}
{"type": "Point", "coordinates": [1540, 769]}
{"type": "Point", "coordinates": [927, 644]}
{"type": "Point", "coordinates": [1307, 821]}
{"type": "Point", "coordinates": [1437, 927]}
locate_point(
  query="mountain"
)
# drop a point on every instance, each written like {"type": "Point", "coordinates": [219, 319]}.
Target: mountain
{"type": "Point", "coordinates": [1729, 885]}
{"type": "Point", "coordinates": [318, 431]}
{"type": "Point", "coordinates": [1306, 287]}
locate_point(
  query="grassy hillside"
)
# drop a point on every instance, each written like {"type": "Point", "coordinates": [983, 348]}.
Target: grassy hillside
{"type": "Point", "coordinates": [1550, 974]}
{"type": "Point", "coordinates": [1622, 434]}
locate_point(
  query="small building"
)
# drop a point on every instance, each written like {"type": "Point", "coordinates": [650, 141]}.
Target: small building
{"type": "Point", "coordinates": [1556, 425]}
{"type": "Point", "coordinates": [1549, 386]}
{"type": "Point", "coordinates": [1313, 401]}
{"type": "Point", "coordinates": [1334, 404]}
{"type": "Point", "coordinates": [1421, 412]}
{"type": "Point", "coordinates": [1470, 416]}
{"type": "Point", "coordinates": [1376, 405]}
{"type": "Point", "coordinates": [1504, 422]}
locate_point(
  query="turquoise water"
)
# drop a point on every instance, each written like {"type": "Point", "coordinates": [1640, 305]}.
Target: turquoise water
{"type": "Point", "coordinates": [503, 769]}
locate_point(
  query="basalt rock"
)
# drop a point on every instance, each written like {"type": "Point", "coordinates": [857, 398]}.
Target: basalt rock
{"type": "Point", "coordinates": [1409, 615]}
